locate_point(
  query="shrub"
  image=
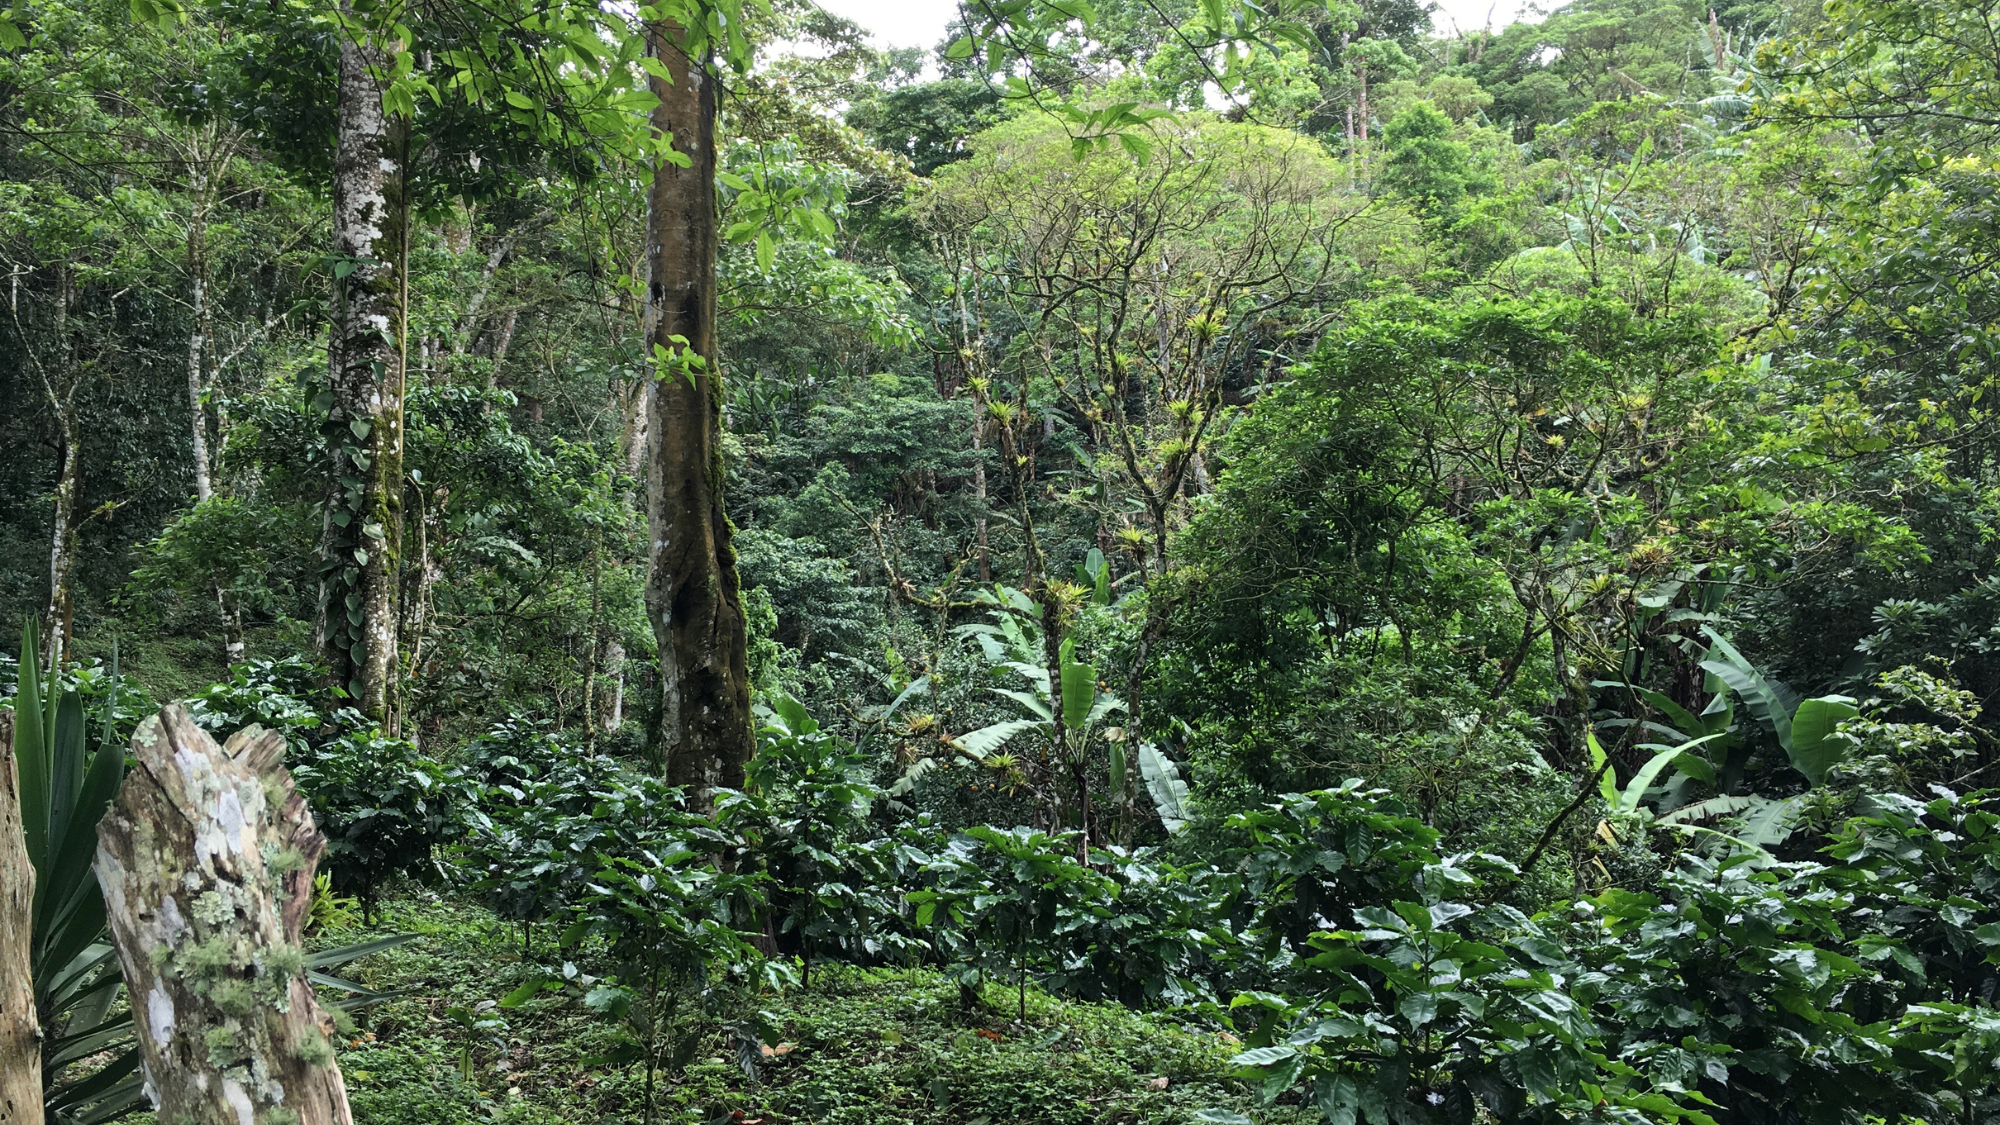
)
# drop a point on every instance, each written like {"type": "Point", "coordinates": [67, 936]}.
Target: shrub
{"type": "Point", "coordinates": [546, 818]}
{"type": "Point", "coordinates": [803, 819]}
{"type": "Point", "coordinates": [1005, 903]}
{"type": "Point", "coordinates": [381, 804]}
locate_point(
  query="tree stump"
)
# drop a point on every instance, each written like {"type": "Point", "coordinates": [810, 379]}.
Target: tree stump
{"type": "Point", "coordinates": [206, 860]}
{"type": "Point", "coordinates": [20, 1035]}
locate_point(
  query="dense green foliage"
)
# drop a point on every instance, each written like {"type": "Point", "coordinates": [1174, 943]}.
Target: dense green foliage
{"type": "Point", "coordinates": [1301, 564]}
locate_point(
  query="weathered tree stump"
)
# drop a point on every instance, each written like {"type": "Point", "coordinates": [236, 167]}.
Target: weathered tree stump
{"type": "Point", "coordinates": [20, 1036]}
{"type": "Point", "coordinates": [206, 860]}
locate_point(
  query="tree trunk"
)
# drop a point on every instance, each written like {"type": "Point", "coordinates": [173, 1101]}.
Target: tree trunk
{"type": "Point", "coordinates": [231, 616]}
{"type": "Point", "coordinates": [206, 860]}
{"type": "Point", "coordinates": [612, 714]}
{"type": "Point", "coordinates": [361, 537]}
{"type": "Point", "coordinates": [62, 537]}
{"type": "Point", "coordinates": [1361, 117]}
{"type": "Point", "coordinates": [498, 351]}
{"type": "Point", "coordinates": [201, 345]}
{"type": "Point", "coordinates": [979, 493]}
{"type": "Point", "coordinates": [20, 1034]}
{"type": "Point", "coordinates": [635, 400]}
{"type": "Point", "coordinates": [197, 344]}
{"type": "Point", "coordinates": [692, 599]}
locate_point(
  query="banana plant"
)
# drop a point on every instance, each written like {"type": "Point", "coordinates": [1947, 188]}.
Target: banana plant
{"type": "Point", "coordinates": [1083, 708]}
{"type": "Point", "coordinates": [1169, 792]}
{"type": "Point", "coordinates": [1807, 729]}
{"type": "Point", "coordinates": [1627, 805]}
{"type": "Point", "coordinates": [1712, 747]}
{"type": "Point", "coordinates": [1011, 647]}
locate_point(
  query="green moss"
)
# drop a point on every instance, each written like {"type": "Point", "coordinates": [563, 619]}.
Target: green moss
{"type": "Point", "coordinates": [221, 1044]}
{"type": "Point", "coordinates": [234, 997]}
{"type": "Point", "coordinates": [203, 961]}
{"type": "Point", "coordinates": [285, 860]}
{"type": "Point", "coordinates": [314, 1050]}
{"type": "Point", "coordinates": [285, 961]}
{"type": "Point", "coordinates": [213, 908]}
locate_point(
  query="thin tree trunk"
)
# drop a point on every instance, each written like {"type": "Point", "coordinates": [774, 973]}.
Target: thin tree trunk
{"type": "Point", "coordinates": [979, 492]}
{"type": "Point", "coordinates": [206, 860]}
{"type": "Point", "coordinates": [231, 616]}
{"type": "Point", "coordinates": [427, 571]}
{"type": "Point", "coordinates": [61, 393]}
{"type": "Point", "coordinates": [593, 655]}
{"type": "Point", "coordinates": [197, 264]}
{"type": "Point", "coordinates": [62, 536]}
{"type": "Point", "coordinates": [613, 713]}
{"type": "Point", "coordinates": [361, 536]}
{"type": "Point", "coordinates": [1361, 117]}
{"type": "Point", "coordinates": [20, 1034]}
{"type": "Point", "coordinates": [201, 346]}
{"type": "Point", "coordinates": [692, 598]}
{"type": "Point", "coordinates": [636, 401]}
{"type": "Point", "coordinates": [497, 347]}
{"type": "Point", "coordinates": [638, 413]}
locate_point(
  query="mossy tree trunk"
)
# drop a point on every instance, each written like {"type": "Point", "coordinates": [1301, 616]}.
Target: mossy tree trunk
{"type": "Point", "coordinates": [703, 737]}
{"type": "Point", "coordinates": [20, 1036]}
{"type": "Point", "coordinates": [206, 860]}
{"type": "Point", "coordinates": [361, 536]}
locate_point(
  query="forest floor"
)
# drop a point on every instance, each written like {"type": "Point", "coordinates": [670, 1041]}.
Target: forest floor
{"type": "Point", "coordinates": [859, 1047]}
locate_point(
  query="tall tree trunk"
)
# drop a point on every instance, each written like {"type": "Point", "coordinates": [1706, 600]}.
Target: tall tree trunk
{"type": "Point", "coordinates": [231, 616]}
{"type": "Point", "coordinates": [361, 537]}
{"type": "Point", "coordinates": [60, 387]}
{"type": "Point", "coordinates": [206, 860]}
{"type": "Point", "coordinates": [20, 1034]}
{"type": "Point", "coordinates": [692, 599]}
{"type": "Point", "coordinates": [201, 349]}
{"type": "Point", "coordinates": [198, 344]}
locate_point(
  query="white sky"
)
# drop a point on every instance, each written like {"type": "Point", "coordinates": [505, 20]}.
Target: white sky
{"type": "Point", "coordinates": [920, 23]}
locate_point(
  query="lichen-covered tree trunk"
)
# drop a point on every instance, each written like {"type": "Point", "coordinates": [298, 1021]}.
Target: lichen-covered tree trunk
{"type": "Point", "coordinates": [206, 860]}
{"type": "Point", "coordinates": [361, 536]}
{"type": "Point", "coordinates": [62, 534]}
{"type": "Point", "coordinates": [20, 1036]}
{"type": "Point", "coordinates": [703, 735]}
{"type": "Point", "coordinates": [198, 341]}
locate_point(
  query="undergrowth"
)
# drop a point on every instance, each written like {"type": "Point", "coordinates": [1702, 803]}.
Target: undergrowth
{"type": "Point", "coordinates": [860, 1047]}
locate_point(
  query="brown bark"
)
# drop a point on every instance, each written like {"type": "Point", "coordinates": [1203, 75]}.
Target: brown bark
{"type": "Point", "coordinates": [206, 860]}
{"type": "Point", "coordinates": [20, 1034]}
{"type": "Point", "coordinates": [703, 734]}
{"type": "Point", "coordinates": [361, 536]}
